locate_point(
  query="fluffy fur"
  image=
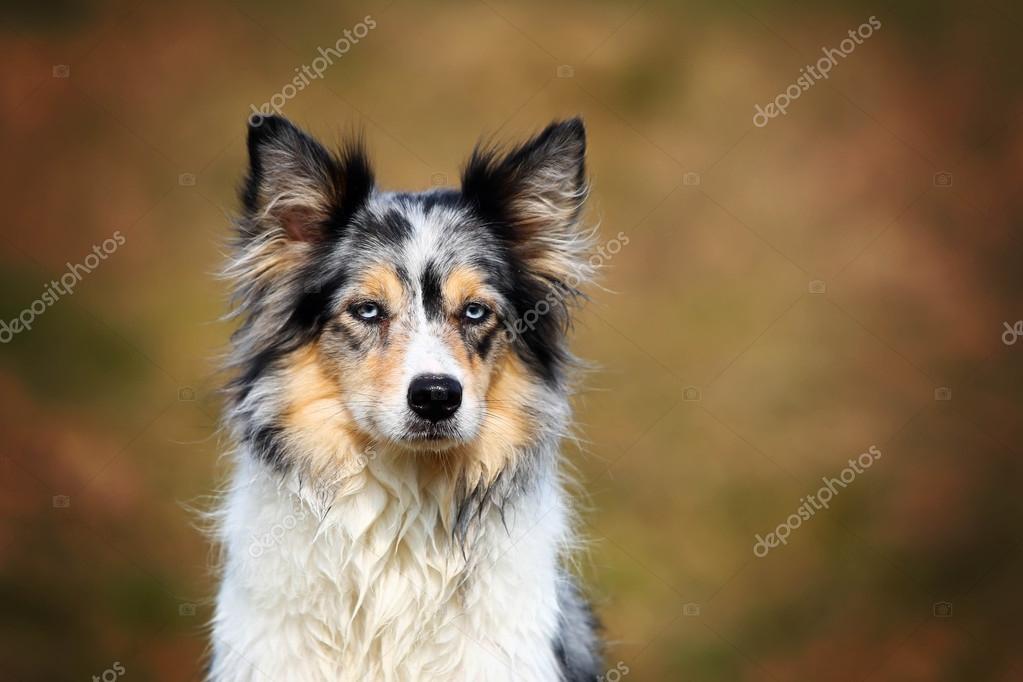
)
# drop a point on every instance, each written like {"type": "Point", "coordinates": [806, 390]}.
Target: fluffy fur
{"type": "Point", "coordinates": [361, 541]}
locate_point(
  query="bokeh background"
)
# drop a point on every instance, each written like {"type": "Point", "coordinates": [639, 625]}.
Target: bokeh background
{"type": "Point", "coordinates": [789, 296]}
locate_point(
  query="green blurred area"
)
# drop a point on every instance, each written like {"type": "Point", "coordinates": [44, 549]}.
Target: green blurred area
{"type": "Point", "coordinates": [812, 283]}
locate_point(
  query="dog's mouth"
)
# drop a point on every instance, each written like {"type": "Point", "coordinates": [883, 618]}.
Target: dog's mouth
{"type": "Point", "coordinates": [421, 434]}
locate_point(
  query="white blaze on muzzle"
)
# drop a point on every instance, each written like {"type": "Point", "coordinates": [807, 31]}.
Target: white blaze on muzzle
{"type": "Point", "coordinates": [429, 354]}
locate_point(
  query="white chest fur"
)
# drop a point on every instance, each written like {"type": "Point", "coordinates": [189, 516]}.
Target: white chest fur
{"type": "Point", "coordinates": [372, 585]}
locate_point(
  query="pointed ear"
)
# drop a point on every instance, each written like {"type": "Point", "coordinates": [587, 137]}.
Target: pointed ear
{"type": "Point", "coordinates": [533, 196]}
{"type": "Point", "coordinates": [295, 185]}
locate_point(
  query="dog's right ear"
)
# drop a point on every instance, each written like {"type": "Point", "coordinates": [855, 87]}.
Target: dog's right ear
{"type": "Point", "coordinates": [298, 188]}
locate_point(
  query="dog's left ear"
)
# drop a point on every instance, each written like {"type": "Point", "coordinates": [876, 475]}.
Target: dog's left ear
{"type": "Point", "coordinates": [533, 197]}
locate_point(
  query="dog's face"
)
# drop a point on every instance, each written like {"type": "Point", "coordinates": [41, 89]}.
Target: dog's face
{"type": "Point", "coordinates": [433, 321]}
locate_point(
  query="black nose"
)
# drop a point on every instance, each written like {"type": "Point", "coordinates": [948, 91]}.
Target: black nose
{"type": "Point", "coordinates": [434, 397]}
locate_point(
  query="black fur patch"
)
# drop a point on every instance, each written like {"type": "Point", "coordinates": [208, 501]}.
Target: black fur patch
{"type": "Point", "coordinates": [267, 443]}
{"type": "Point", "coordinates": [433, 296]}
{"type": "Point", "coordinates": [577, 644]}
{"type": "Point", "coordinates": [355, 186]}
{"type": "Point", "coordinates": [484, 345]}
{"type": "Point", "coordinates": [445, 198]}
{"type": "Point", "coordinates": [392, 230]}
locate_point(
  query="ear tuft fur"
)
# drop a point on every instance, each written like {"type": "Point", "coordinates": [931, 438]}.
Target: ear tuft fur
{"type": "Point", "coordinates": [296, 185]}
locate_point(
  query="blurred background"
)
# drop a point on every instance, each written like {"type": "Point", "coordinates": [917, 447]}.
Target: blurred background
{"type": "Point", "coordinates": [786, 296]}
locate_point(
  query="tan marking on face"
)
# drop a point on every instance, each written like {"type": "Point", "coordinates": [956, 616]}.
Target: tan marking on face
{"type": "Point", "coordinates": [315, 417]}
{"type": "Point", "coordinates": [506, 427]}
{"type": "Point", "coordinates": [464, 285]}
{"type": "Point", "coordinates": [370, 374]}
{"type": "Point", "coordinates": [375, 375]}
{"type": "Point", "coordinates": [381, 283]}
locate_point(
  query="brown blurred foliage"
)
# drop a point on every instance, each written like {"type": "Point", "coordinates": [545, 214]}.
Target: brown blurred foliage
{"type": "Point", "coordinates": [813, 281]}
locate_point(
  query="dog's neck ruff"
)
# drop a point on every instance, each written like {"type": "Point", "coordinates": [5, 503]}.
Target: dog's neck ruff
{"type": "Point", "coordinates": [368, 578]}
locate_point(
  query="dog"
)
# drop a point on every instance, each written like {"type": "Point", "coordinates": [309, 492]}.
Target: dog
{"type": "Point", "coordinates": [399, 390]}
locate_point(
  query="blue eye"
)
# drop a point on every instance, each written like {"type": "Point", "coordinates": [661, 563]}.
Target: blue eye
{"type": "Point", "coordinates": [475, 312]}
{"type": "Point", "coordinates": [367, 311]}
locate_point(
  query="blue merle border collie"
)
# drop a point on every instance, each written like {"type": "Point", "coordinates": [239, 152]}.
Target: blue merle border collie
{"type": "Point", "coordinates": [397, 509]}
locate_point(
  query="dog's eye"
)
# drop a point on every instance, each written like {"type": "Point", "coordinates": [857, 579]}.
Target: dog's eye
{"type": "Point", "coordinates": [475, 312]}
{"type": "Point", "coordinates": [367, 311]}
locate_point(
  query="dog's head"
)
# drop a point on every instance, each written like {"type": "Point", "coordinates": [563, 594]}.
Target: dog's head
{"type": "Point", "coordinates": [432, 321]}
